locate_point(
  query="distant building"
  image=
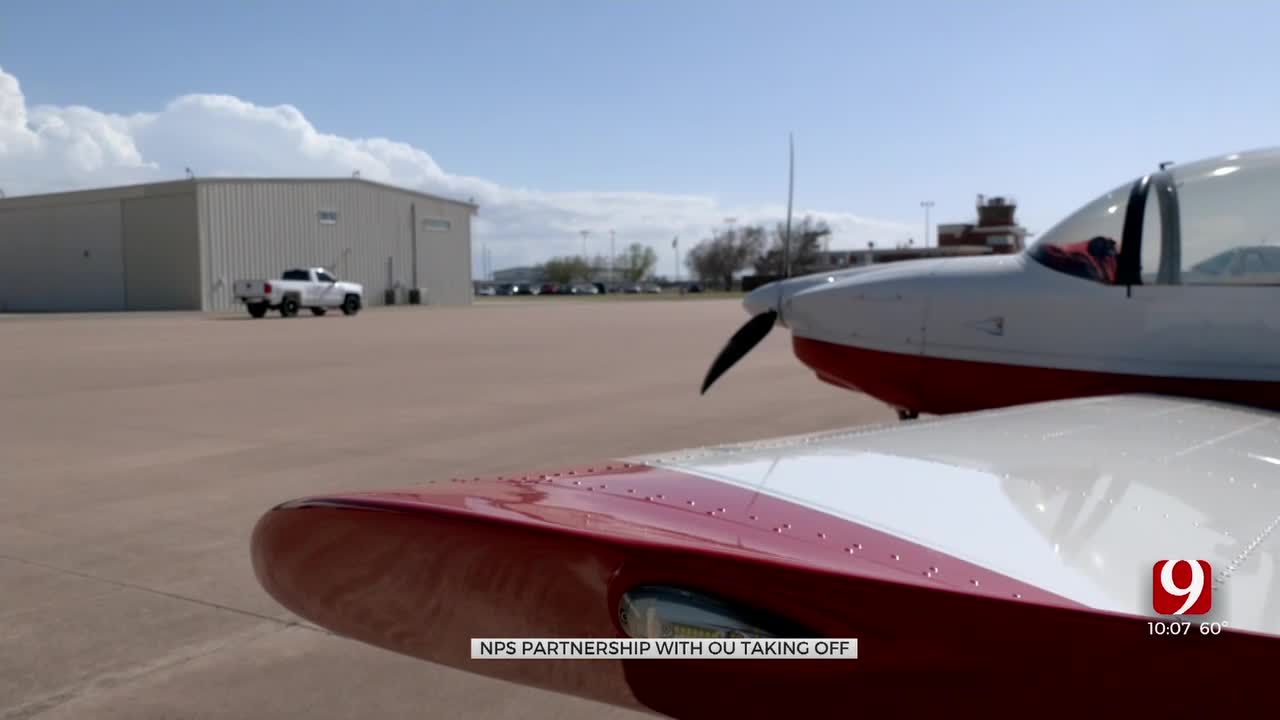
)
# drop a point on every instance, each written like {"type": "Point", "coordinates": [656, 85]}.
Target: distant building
{"type": "Point", "coordinates": [996, 232]}
{"type": "Point", "coordinates": [996, 228]}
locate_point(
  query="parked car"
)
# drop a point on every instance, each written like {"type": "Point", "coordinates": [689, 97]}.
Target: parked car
{"type": "Point", "coordinates": [312, 288]}
{"type": "Point", "coordinates": [551, 289]}
{"type": "Point", "coordinates": [487, 290]}
{"type": "Point", "coordinates": [652, 288]}
{"type": "Point", "coordinates": [585, 289]}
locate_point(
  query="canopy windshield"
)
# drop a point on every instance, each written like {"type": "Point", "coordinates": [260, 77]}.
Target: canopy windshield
{"type": "Point", "coordinates": [1211, 222]}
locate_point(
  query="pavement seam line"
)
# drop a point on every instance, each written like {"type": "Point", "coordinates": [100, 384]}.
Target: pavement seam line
{"type": "Point", "coordinates": [108, 681]}
{"type": "Point", "coordinates": [164, 593]}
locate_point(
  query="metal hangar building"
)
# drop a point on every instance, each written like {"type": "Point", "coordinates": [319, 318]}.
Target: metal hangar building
{"type": "Point", "coordinates": [180, 245]}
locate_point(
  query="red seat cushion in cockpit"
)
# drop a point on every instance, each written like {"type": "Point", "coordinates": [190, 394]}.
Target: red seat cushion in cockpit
{"type": "Point", "coordinates": [1093, 259]}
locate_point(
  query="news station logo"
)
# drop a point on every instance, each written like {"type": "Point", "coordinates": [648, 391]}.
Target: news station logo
{"type": "Point", "coordinates": [1181, 587]}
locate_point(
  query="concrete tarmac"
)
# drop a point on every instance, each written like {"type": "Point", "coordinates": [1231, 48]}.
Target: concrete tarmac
{"type": "Point", "coordinates": [138, 451]}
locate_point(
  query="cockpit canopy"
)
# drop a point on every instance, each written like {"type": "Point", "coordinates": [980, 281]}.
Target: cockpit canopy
{"type": "Point", "coordinates": [1212, 222]}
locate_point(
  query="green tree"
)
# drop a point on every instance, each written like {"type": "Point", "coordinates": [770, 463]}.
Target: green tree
{"type": "Point", "coordinates": [598, 267]}
{"type": "Point", "coordinates": [806, 248]}
{"type": "Point", "coordinates": [717, 259]}
{"type": "Point", "coordinates": [567, 269]}
{"type": "Point", "coordinates": [636, 262]}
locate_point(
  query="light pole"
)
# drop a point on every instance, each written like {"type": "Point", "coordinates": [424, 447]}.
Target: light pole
{"type": "Point", "coordinates": [926, 204]}
{"type": "Point", "coordinates": [613, 259]}
{"type": "Point", "coordinates": [584, 234]}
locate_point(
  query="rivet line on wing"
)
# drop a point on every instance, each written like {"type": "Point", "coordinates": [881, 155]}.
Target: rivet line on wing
{"type": "Point", "coordinates": [1240, 559]}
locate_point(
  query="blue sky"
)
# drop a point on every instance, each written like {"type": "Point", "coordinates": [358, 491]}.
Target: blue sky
{"type": "Point", "coordinates": [891, 103]}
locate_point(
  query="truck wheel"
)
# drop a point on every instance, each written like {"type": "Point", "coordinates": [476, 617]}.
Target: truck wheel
{"type": "Point", "coordinates": [350, 305]}
{"type": "Point", "coordinates": [288, 307]}
{"type": "Point", "coordinates": [258, 309]}
{"type": "Point", "coordinates": [317, 311]}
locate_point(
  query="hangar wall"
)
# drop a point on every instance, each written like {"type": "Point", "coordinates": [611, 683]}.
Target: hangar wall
{"type": "Point", "coordinates": [444, 252]}
{"type": "Point", "coordinates": [98, 250]}
{"type": "Point", "coordinates": [62, 258]}
{"type": "Point", "coordinates": [364, 232]}
{"type": "Point", "coordinates": [180, 245]}
{"type": "Point", "coordinates": [161, 252]}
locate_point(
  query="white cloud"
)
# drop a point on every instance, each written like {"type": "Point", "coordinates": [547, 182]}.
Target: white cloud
{"type": "Point", "coordinates": [46, 149]}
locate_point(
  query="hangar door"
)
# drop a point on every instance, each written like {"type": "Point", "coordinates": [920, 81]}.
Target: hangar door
{"type": "Point", "coordinates": [62, 259]}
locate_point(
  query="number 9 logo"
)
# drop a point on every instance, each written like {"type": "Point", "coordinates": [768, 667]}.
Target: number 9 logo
{"type": "Point", "coordinates": [1179, 587]}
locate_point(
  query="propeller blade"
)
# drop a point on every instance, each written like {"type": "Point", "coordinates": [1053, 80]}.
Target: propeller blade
{"type": "Point", "coordinates": [747, 337]}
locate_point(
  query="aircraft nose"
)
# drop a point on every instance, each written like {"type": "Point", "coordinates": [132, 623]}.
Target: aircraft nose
{"type": "Point", "coordinates": [763, 298]}
{"type": "Point", "coordinates": [776, 295]}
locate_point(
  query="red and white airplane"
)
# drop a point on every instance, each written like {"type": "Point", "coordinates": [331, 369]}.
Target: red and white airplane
{"type": "Point", "coordinates": [1166, 285]}
{"type": "Point", "coordinates": [1000, 561]}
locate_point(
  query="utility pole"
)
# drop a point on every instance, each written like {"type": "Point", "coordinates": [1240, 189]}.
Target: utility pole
{"type": "Point", "coordinates": [791, 188]}
{"type": "Point", "coordinates": [926, 204]}
{"type": "Point", "coordinates": [584, 233]}
{"type": "Point", "coordinates": [613, 259]}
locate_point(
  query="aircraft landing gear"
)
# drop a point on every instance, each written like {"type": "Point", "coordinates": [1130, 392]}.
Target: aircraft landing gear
{"type": "Point", "coordinates": [904, 414]}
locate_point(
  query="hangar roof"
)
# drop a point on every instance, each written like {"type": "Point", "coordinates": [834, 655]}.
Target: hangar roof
{"type": "Point", "coordinates": [179, 186]}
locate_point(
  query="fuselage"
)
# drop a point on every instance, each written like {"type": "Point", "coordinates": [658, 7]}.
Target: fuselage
{"type": "Point", "coordinates": [961, 334]}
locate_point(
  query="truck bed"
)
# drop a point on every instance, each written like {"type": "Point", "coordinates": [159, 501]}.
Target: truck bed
{"type": "Point", "coordinates": [250, 289]}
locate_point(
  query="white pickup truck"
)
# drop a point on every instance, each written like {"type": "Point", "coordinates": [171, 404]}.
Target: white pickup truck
{"type": "Point", "coordinates": [311, 288]}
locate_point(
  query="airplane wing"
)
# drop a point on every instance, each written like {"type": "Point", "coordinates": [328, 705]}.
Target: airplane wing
{"type": "Point", "coordinates": [1008, 553]}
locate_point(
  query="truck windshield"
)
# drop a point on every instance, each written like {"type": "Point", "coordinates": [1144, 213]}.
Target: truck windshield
{"type": "Point", "coordinates": [295, 275]}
